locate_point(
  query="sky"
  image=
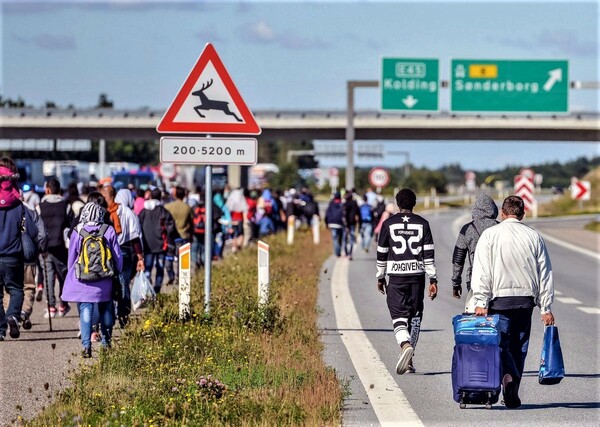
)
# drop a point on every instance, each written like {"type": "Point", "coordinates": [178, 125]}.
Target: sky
{"type": "Point", "coordinates": [292, 55]}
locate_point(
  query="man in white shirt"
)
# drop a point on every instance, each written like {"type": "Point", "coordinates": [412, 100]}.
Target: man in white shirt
{"type": "Point", "coordinates": [512, 274]}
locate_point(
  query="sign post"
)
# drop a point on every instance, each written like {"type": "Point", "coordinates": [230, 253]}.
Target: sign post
{"type": "Point", "coordinates": [208, 103]}
{"type": "Point", "coordinates": [509, 85]}
{"type": "Point", "coordinates": [409, 84]}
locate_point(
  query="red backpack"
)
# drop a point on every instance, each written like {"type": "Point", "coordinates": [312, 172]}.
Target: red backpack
{"type": "Point", "coordinates": [199, 220]}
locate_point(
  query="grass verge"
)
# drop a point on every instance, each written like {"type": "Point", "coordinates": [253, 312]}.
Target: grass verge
{"type": "Point", "coordinates": [240, 365]}
{"type": "Point", "coordinates": [593, 226]}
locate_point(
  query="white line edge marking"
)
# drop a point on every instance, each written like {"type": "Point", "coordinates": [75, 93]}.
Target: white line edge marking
{"type": "Point", "coordinates": [387, 399]}
{"type": "Point", "coordinates": [590, 310]}
{"type": "Point", "coordinates": [569, 246]}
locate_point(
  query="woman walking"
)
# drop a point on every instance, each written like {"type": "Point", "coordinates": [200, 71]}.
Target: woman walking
{"type": "Point", "coordinates": [86, 293]}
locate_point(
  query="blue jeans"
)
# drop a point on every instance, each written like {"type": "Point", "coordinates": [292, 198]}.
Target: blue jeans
{"type": "Point", "coordinates": [336, 236]}
{"type": "Point", "coordinates": [155, 260]}
{"type": "Point", "coordinates": [366, 233]}
{"type": "Point", "coordinates": [12, 271]}
{"type": "Point", "coordinates": [106, 310]}
{"type": "Point", "coordinates": [349, 239]}
{"type": "Point", "coordinates": [515, 328]}
{"type": "Point", "coordinates": [170, 260]}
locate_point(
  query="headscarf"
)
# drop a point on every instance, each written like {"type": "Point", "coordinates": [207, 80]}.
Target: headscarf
{"type": "Point", "coordinates": [124, 197]}
{"type": "Point", "coordinates": [9, 192]}
{"type": "Point", "coordinates": [236, 202]}
{"type": "Point", "coordinates": [91, 214]}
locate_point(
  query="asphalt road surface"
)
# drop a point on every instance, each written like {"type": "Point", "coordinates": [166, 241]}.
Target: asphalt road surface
{"type": "Point", "coordinates": [360, 343]}
{"type": "Point", "coordinates": [35, 366]}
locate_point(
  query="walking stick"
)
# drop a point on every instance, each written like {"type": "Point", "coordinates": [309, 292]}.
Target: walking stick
{"type": "Point", "coordinates": [47, 283]}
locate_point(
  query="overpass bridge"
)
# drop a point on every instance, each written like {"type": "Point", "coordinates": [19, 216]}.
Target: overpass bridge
{"type": "Point", "coordinates": [109, 124]}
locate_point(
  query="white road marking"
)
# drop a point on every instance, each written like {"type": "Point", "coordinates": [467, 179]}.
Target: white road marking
{"type": "Point", "coordinates": [389, 403]}
{"type": "Point", "coordinates": [568, 300]}
{"type": "Point", "coordinates": [558, 293]}
{"type": "Point", "coordinates": [569, 246]}
{"type": "Point", "coordinates": [590, 310]}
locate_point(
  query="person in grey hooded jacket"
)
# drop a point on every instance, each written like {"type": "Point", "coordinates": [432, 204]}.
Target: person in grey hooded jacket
{"type": "Point", "coordinates": [484, 216]}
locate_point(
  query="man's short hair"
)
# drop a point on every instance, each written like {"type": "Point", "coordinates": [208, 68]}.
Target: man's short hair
{"type": "Point", "coordinates": [53, 185]}
{"type": "Point", "coordinates": [406, 198]}
{"type": "Point", "coordinates": [513, 205]}
{"type": "Point", "coordinates": [156, 194]}
{"type": "Point", "coordinates": [180, 192]}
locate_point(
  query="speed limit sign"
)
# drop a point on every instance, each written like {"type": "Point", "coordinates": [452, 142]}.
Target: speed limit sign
{"type": "Point", "coordinates": [379, 177]}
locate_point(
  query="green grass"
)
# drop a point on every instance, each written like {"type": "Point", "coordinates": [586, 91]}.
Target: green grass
{"type": "Point", "coordinates": [593, 226]}
{"type": "Point", "coordinates": [240, 365]}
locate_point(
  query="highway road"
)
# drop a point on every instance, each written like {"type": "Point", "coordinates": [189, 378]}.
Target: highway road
{"type": "Point", "coordinates": [36, 366]}
{"type": "Point", "coordinates": [360, 344]}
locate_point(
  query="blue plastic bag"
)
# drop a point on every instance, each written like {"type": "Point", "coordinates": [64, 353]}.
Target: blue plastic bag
{"type": "Point", "coordinates": [471, 329]}
{"type": "Point", "coordinates": [552, 367]}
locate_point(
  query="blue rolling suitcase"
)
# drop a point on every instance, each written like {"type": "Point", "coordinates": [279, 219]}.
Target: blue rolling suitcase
{"type": "Point", "coordinates": [476, 366]}
{"type": "Point", "coordinates": [476, 374]}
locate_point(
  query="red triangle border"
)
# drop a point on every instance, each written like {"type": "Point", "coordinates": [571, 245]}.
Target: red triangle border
{"type": "Point", "coordinates": [249, 125]}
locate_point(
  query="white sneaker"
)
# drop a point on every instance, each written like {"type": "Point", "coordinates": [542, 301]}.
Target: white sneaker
{"type": "Point", "coordinates": [52, 313]}
{"type": "Point", "coordinates": [406, 352]}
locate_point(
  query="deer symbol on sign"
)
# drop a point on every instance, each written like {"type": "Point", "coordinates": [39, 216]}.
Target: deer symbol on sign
{"type": "Point", "coordinates": [209, 104]}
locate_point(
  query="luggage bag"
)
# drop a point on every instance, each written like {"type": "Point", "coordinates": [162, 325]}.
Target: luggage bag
{"type": "Point", "coordinates": [476, 374]}
{"type": "Point", "coordinates": [476, 365]}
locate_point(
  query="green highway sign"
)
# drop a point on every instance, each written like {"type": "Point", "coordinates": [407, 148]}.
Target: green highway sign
{"type": "Point", "coordinates": [409, 84]}
{"type": "Point", "coordinates": [509, 85]}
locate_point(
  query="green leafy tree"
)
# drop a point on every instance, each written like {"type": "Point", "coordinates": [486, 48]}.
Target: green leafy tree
{"type": "Point", "coordinates": [286, 178]}
{"type": "Point", "coordinates": [104, 102]}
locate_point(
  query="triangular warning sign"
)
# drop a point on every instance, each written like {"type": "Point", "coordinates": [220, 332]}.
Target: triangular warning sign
{"type": "Point", "coordinates": [208, 102]}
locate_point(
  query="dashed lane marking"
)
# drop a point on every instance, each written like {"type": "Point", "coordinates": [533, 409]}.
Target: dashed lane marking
{"type": "Point", "coordinates": [568, 300]}
{"type": "Point", "coordinates": [589, 310]}
{"type": "Point", "coordinates": [387, 399]}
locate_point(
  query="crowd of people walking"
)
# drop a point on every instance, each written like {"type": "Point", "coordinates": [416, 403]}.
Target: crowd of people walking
{"type": "Point", "coordinates": [84, 247]}
{"type": "Point", "coordinates": [89, 243]}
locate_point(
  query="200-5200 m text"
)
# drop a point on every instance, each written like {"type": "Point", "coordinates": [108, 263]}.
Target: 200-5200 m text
{"type": "Point", "coordinates": [205, 151]}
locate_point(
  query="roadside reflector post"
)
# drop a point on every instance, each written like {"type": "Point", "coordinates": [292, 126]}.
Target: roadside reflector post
{"type": "Point", "coordinates": [291, 227]}
{"type": "Point", "coordinates": [185, 278]}
{"type": "Point", "coordinates": [316, 229]}
{"type": "Point", "coordinates": [263, 273]}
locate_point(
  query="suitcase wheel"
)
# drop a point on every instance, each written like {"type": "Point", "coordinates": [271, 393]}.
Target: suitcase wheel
{"type": "Point", "coordinates": [488, 406]}
{"type": "Point", "coordinates": [463, 405]}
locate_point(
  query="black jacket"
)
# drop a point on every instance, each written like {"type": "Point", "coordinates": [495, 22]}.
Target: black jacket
{"type": "Point", "coordinates": [158, 227]}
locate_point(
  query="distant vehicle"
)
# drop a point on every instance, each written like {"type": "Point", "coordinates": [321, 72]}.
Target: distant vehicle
{"type": "Point", "coordinates": [110, 168]}
{"type": "Point", "coordinates": [219, 177]}
{"type": "Point", "coordinates": [31, 172]}
{"type": "Point", "coordinates": [258, 174]}
{"type": "Point", "coordinates": [141, 179]}
{"type": "Point", "coordinates": [557, 190]}
{"type": "Point", "coordinates": [66, 171]}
